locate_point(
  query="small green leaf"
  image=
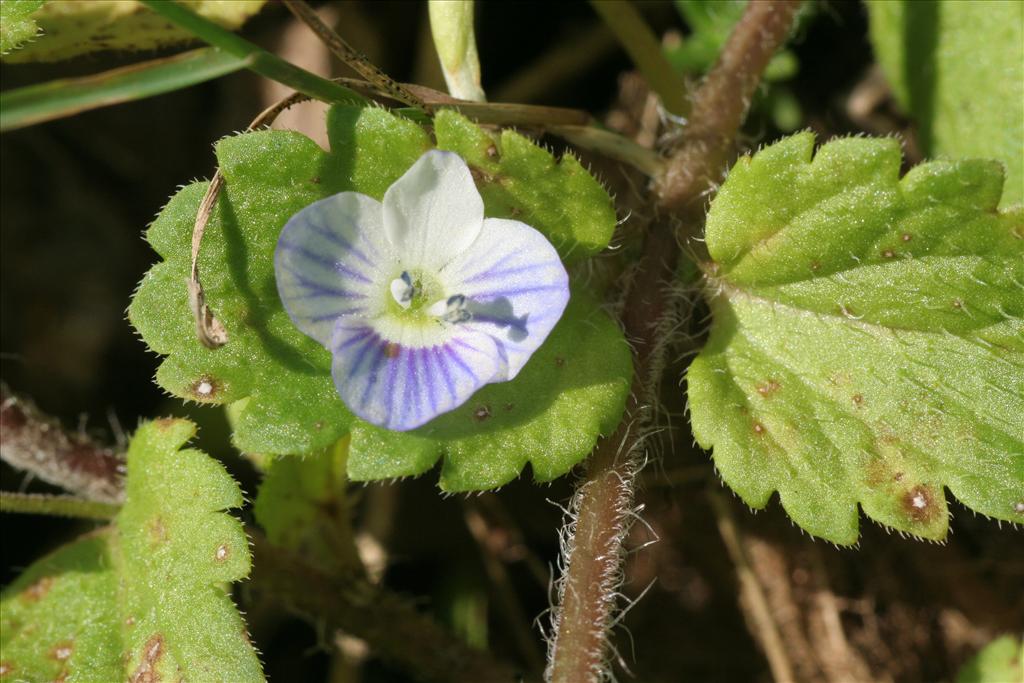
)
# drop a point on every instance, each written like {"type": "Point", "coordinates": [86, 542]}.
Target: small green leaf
{"type": "Point", "coordinates": [270, 175]}
{"type": "Point", "coordinates": [74, 28]}
{"type": "Point", "coordinates": [520, 180]}
{"type": "Point", "coordinates": [958, 68]}
{"type": "Point", "coordinates": [301, 506]}
{"type": "Point", "coordinates": [16, 23]}
{"type": "Point", "coordinates": [868, 338]}
{"type": "Point", "coordinates": [573, 389]}
{"type": "Point", "coordinates": [1001, 661]}
{"type": "Point", "coordinates": [291, 405]}
{"type": "Point", "coordinates": [146, 598]}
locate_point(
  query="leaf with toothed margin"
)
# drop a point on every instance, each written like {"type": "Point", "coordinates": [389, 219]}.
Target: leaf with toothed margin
{"type": "Point", "coordinates": [868, 338]}
{"type": "Point", "coordinates": [572, 389]}
{"type": "Point", "coordinates": [279, 379]}
{"type": "Point", "coordinates": [145, 599]}
{"type": "Point", "coordinates": [958, 69]}
{"type": "Point", "coordinates": [520, 180]}
{"type": "Point", "coordinates": [292, 404]}
{"type": "Point", "coordinates": [16, 23]}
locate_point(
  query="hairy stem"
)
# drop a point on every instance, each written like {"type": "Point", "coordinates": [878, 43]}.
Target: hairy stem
{"type": "Point", "coordinates": [722, 101]}
{"type": "Point", "coordinates": [58, 506]}
{"type": "Point", "coordinates": [603, 504]}
{"type": "Point", "coordinates": [35, 442]}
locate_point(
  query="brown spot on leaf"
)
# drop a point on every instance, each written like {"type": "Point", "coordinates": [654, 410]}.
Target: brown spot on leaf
{"type": "Point", "coordinates": [759, 429]}
{"type": "Point", "coordinates": [205, 388]}
{"type": "Point", "coordinates": [164, 423]}
{"type": "Point", "coordinates": [482, 412]}
{"type": "Point", "coordinates": [318, 425]}
{"type": "Point", "coordinates": [559, 362]}
{"type": "Point", "coordinates": [888, 253]}
{"type": "Point", "coordinates": [62, 651]}
{"type": "Point", "coordinates": [815, 265]}
{"type": "Point", "coordinates": [858, 400]}
{"type": "Point", "coordinates": [391, 350]}
{"type": "Point", "coordinates": [958, 304]}
{"type": "Point", "coordinates": [1018, 507]}
{"type": "Point", "coordinates": [315, 180]}
{"type": "Point", "coordinates": [38, 590]}
{"type": "Point", "coordinates": [157, 530]}
{"type": "Point", "coordinates": [222, 552]}
{"type": "Point", "coordinates": [6, 668]}
{"type": "Point", "coordinates": [130, 621]}
{"type": "Point", "coordinates": [919, 504]}
{"type": "Point", "coordinates": [480, 176]}
{"type": "Point", "coordinates": [768, 388]}
{"type": "Point", "coordinates": [492, 151]}
{"type": "Point", "coordinates": [897, 477]}
{"type": "Point", "coordinates": [509, 407]}
{"type": "Point", "coordinates": [152, 651]}
{"type": "Point", "coordinates": [906, 237]}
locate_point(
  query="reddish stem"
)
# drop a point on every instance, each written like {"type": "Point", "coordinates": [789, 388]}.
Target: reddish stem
{"type": "Point", "coordinates": [604, 500]}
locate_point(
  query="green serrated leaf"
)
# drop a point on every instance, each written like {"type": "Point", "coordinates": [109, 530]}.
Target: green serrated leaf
{"type": "Point", "coordinates": [301, 506]}
{"type": "Point", "coordinates": [518, 179]}
{"type": "Point", "coordinates": [73, 27]}
{"type": "Point", "coordinates": [270, 175]}
{"type": "Point", "coordinates": [958, 68]}
{"type": "Point", "coordinates": [60, 617]}
{"type": "Point", "coordinates": [291, 405]}
{"type": "Point", "coordinates": [573, 389]}
{"type": "Point", "coordinates": [868, 338]}
{"type": "Point", "coordinates": [146, 598]}
{"type": "Point", "coordinates": [1001, 661]}
{"type": "Point", "coordinates": [16, 23]}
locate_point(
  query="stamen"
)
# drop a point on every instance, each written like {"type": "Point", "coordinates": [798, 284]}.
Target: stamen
{"type": "Point", "coordinates": [403, 290]}
{"type": "Point", "coordinates": [455, 311]}
{"type": "Point", "coordinates": [450, 310]}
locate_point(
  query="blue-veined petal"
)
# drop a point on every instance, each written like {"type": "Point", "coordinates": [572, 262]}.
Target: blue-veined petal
{"type": "Point", "coordinates": [516, 289]}
{"type": "Point", "coordinates": [401, 387]}
{"type": "Point", "coordinates": [434, 211]}
{"type": "Point", "coordinates": [330, 260]}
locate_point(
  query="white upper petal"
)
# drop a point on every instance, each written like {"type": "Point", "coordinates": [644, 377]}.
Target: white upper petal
{"type": "Point", "coordinates": [330, 261]}
{"type": "Point", "coordinates": [433, 212]}
{"type": "Point", "coordinates": [516, 289]}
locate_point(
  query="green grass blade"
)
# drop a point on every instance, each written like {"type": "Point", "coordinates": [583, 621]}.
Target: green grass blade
{"type": "Point", "coordinates": [262, 62]}
{"type": "Point", "coordinates": [69, 96]}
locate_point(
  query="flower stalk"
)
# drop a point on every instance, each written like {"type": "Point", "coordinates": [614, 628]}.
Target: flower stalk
{"type": "Point", "coordinates": [603, 504]}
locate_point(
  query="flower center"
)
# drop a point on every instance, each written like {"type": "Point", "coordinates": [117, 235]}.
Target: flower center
{"type": "Point", "coordinates": [420, 296]}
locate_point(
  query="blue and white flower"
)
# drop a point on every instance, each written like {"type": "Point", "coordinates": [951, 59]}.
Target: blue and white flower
{"type": "Point", "coordinates": [420, 299]}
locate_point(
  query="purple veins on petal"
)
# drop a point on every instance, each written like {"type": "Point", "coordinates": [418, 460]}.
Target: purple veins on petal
{"type": "Point", "coordinates": [496, 288]}
{"type": "Point", "coordinates": [436, 353]}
